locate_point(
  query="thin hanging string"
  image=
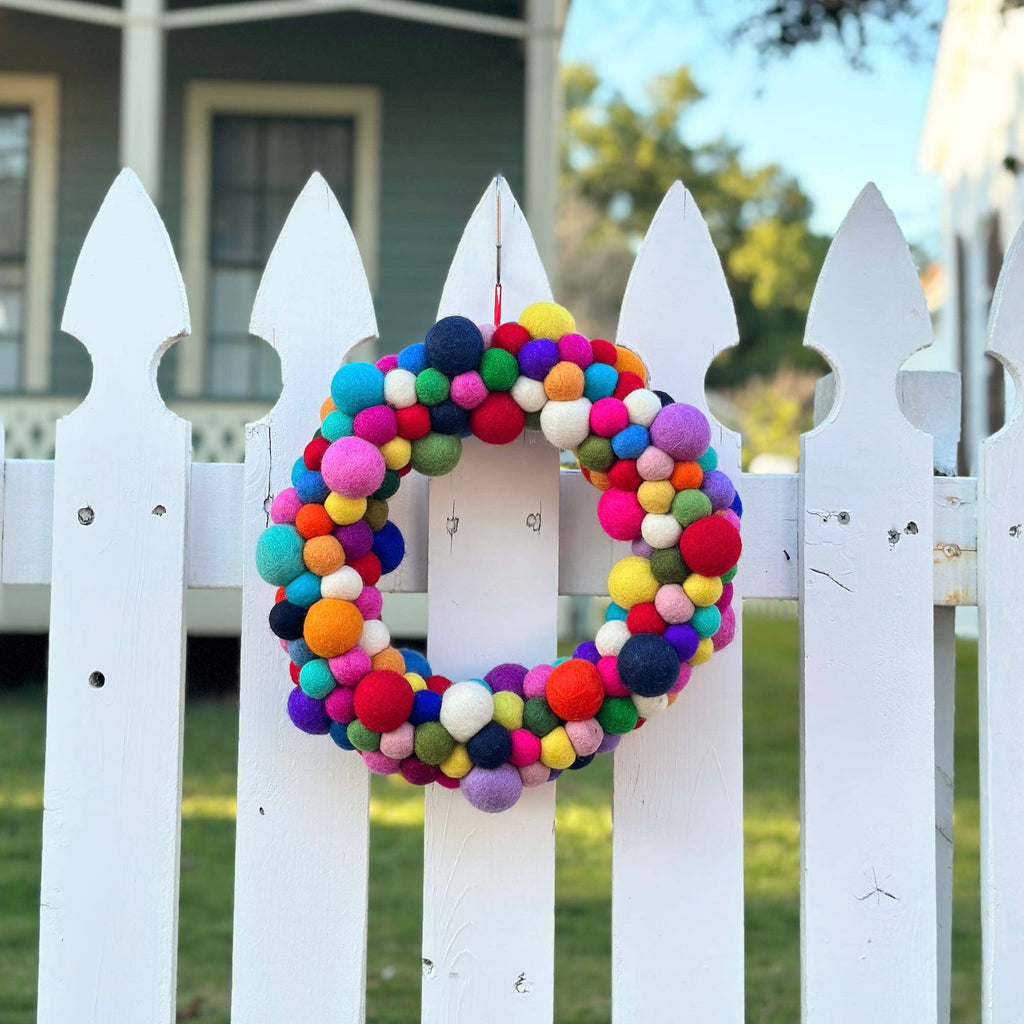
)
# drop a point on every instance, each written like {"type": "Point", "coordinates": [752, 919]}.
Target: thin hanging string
{"type": "Point", "coordinates": [497, 251]}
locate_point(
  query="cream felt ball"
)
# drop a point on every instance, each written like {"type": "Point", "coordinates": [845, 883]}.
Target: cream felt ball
{"type": "Point", "coordinates": [682, 431]}
{"type": "Point", "coordinates": [643, 406]}
{"type": "Point", "coordinates": [466, 707]}
{"type": "Point", "coordinates": [345, 584]}
{"type": "Point", "coordinates": [374, 637]}
{"type": "Point", "coordinates": [566, 424]}
{"type": "Point", "coordinates": [547, 320]}
{"type": "Point", "coordinates": [535, 774]}
{"type": "Point", "coordinates": [454, 345]}
{"type": "Point", "coordinates": [620, 514]}
{"type": "Point", "coordinates": [660, 531]}
{"type": "Point", "coordinates": [493, 789]}
{"type": "Point", "coordinates": [400, 389]}
{"type": "Point", "coordinates": [352, 467]}
{"type": "Point", "coordinates": [611, 637]}
{"type": "Point", "coordinates": [648, 707]}
{"type": "Point", "coordinates": [529, 394]}
{"type": "Point", "coordinates": [654, 464]}
{"type": "Point", "coordinates": [585, 735]}
{"type": "Point", "coordinates": [631, 581]}
{"type": "Point", "coordinates": [279, 554]}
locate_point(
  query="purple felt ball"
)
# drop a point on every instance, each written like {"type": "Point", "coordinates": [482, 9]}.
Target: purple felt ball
{"type": "Point", "coordinates": [376, 424]}
{"type": "Point", "coordinates": [574, 348]}
{"type": "Point", "coordinates": [508, 676]}
{"type": "Point", "coordinates": [642, 548]}
{"type": "Point", "coordinates": [493, 789]}
{"type": "Point", "coordinates": [353, 467]}
{"type": "Point", "coordinates": [609, 743]}
{"type": "Point", "coordinates": [682, 431]}
{"type": "Point", "coordinates": [588, 652]}
{"type": "Point", "coordinates": [536, 358]}
{"type": "Point", "coordinates": [683, 637]}
{"type": "Point", "coordinates": [718, 487]}
{"type": "Point", "coordinates": [356, 539]}
{"type": "Point", "coordinates": [308, 714]}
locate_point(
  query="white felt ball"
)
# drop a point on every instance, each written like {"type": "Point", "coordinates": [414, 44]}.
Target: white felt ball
{"type": "Point", "coordinates": [642, 406]}
{"type": "Point", "coordinates": [465, 709]}
{"type": "Point", "coordinates": [611, 637]}
{"type": "Point", "coordinates": [345, 584]}
{"type": "Point", "coordinates": [374, 637]}
{"type": "Point", "coordinates": [660, 531]}
{"type": "Point", "coordinates": [648, 707]}
{"type": "Point", "coordinates": [400, 388]}
{"type": "Point", "coordinates": [529, 394]}
{"type": "Point", "coordinates": [566, 424]}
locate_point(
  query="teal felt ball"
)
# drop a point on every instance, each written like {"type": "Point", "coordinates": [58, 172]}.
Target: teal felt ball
{"type": "Point", "coordinates": [357, 386]}
{"type": "Point", "coordinates": [316, 679]}
{"type": "Point", "coordinates": [279, 554]}
{"type": "Point", "coordinates": [304, 590]}
{"type": "Point", "coordinates": [336, 424]}
{"type": "Point", "coordinates": [706, 621]}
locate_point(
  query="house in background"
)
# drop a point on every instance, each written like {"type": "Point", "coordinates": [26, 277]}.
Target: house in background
{"type": "Point", "coordinates": [974, 139]}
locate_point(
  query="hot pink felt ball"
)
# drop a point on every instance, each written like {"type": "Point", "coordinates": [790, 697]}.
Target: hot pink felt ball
{"type": "Point", "coordinates": [353, 467]}
{"type": "Point", "coordinates": [380, 764]}
{"type": "Point", "coordinates": [285, 506]}
{"type": "Point", "coordinates": [654, 464]}
{"type": "Point", "coordinates": [727, 630]}
{"type": "Point", "coordinates": [608, 670]}
{"type": "Point", "coordinates": [608, 416]}
{"type": "Point", "coordinates": [370, 603]}
{"type": "Point", "coordinates": [387, 363]}
{"type": "Point", "coordinates": [620, 514]}
{"type": "Point", "coordinates": [340, 704]}
{"type": "Point", "coordinates": [376, 424]}
{"type": "Point", "coordinates": [682, 679]}
{"type": "Point", "coordinates": [726, 599]}
{"type": "Point", "coordinates": [525, 748]}
{"type": "Point", "coordinates": [535, 682]}
{"type": "Point", "coordinates": [350, 667]}
{"type": "Point", "coordinates": [585, 736]}
{"type": "Point", "coordinates": [729, 516]}
{"type": "Point", "coordinates": [468, 390]}
{"type": "Point", "coordinates": [574, 348]}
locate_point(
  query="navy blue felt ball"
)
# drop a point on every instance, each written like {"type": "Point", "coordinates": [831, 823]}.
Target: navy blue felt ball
{"type": "Point", "coordinates": [491, 747]}
{"type": "Point", "coordinates": [413, 358]}
{"type": "Point", "coordinates": [648, 665]}
{"type": "Point", "coordinates": [415, 662]}
{"type": "Point", "coordinates": [449, 418]}
{"type": "Point", "coordinates": [286, 620]}
{"type": "Point", "coordinates": [426, 706]}
{"type": "Point", "coordinates": [581, 762]}
{"type": "Point", "coordinates": [310, 487]}
{"type": "Point", "coordinates": [454, 345]}
{"type": "Point", "coordinates": [389, 546]}
{"type": "Point", "coordinates": [665, 398]}
{"type": "Point", "coordinates": [339, 733]}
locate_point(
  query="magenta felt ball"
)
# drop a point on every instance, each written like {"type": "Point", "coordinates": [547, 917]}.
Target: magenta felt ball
{"type": "Point", "coordinates": [508, 676]}
{"type": "Point", "coordinates": [376, 425]}
{"type": "Point", "coordinates": [726, 631]}
{"type": "Point", "coordinates": [729, 516]}
{"type": "Point", "coordinates": [350, 667]}
{"type": "Point", "coordinates": [380, 764]}
{"type": "Point", "coordinates": [683, 678]}
{"type": "Point", "coordinates": [574, 348]}
{"type": "Point", "coordinates": [525, 748]}
{"type": "Point", "coordinates": [370, 603]}
{"type": "Point", "coordinates": [340, 704]}
{"type": "Point", "coordinates": [493, 789]}
{"type": "Point", "coordinates": [387, 363]}
{"type": "Point", "coordinates": [285, 506]}
{"type": "Point", "coordinates": [608, 670]}
{"type": "Point", "coordinates": [585, 736]}
{"type": "Point", "coordinates": [608, 416]}
{"type": "Point", "coordinates": [620, 514]}
{"type": "Point", "coordinates": [445, 782]}
{"type": "Point", "coordinates": [726, 599]}
{"type": "Point", "coordinates": [535, 681]}
{"type": "Point", "coordinates": [356, 539]}
{"type": "Point", "coordinates": [353, 467]}
{"type": "Point", "coordinates": [468, 390]}
{"type": "Point", "coordinates": [718, 487]}
{"type": "Point", "coordinates": [681, 431]}
{"type": "Point", "coordinates": [654, 464]}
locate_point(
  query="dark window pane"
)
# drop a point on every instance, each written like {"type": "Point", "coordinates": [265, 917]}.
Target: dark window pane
{"type": "Point", "coordinates": [10, 363]}
{"type": "Point", "coordinates": [237, 142]}
{"type": "Point", "coordinates": [15, 142]}
{"type": "Point", "coordinates": [236, 228]}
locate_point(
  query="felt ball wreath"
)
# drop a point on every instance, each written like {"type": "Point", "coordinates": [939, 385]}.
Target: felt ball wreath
{"type": "Point", "coordinates": [331, 540]}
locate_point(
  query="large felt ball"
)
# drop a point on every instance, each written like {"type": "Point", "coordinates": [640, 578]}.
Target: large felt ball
{"type": "Point", "coordinates": [389, 547]}
{"type": "Point", "coordinates": [376, 424]}
{"type": "Point", "coordinates": [383, 701]}
{"type": "Point", "coordinates": [352, 467]}
{"type": "Point", "coordinates": [547, 320]}
{"type": "Point", "coordinates": [466, 708]}
{"type": "Point", "coordinates": [510, 336]}
{"type": "Point", "coordinates": [682, 431]}
{"type": "Point", "coordinates": [631, 581]}
{"type": "Point", "coordinates": [307, 713]}
{"type": "Point", "coordinates": [433, 743]}
{"type": "Point", "coordinates": [574, 690]}
{"type": "Point", "coordinates": [493, 789]}
{"type": "Point", "coordinates": [537, 358]}
{"type": "Point", "coordinates": [286, 620]}
{"type": "Point", "coordinates": [683, 638]}
{"type": "Point", "coordinates": [279, 554]}
{"type": "Point", "coordinates": [355, 537]}
{"type": "Point", "coordinates": [454, 345]}
{"type": "Point", "coordinates": [490, 747]}
{"type": "Point", "coordinates": [566, 424]}
{"type": "Point", "coordinates": [689, 506]}
{"type": "Point", "coordinates": [564, 382]}
{"type": "Point", "coordinates": [332, 627]}
{"type": "Point", "coordinates": [506, 676]}
{"type": "Point", "coordinates": [497, 419]}
{"type": "Point", "coordinates": [585, 736]}
{"type": "Point", "coordinates": [648, 665]}
{"type": "Point", "coordinates": [556, 750]}
{"type": "Point", "coordinates": [357, 386]}
{"type": "Point", "coordinates": [400, 389]}
{"type": "Point", "coordinates": [620, 514]}
{"type": "Point", "coordinates": [538, 717]}
{"type": "Point", "coordinates": [413, 422]}
{"type": "Point", "coordinates": [398, 742]}
{"type": "Point", "coordinates": [711, 546]}
{"type": "Point", "coordinates": [436, 454]}
{"type": "Point", "coordinates": [608, 416]}
{"type": "Point", "coordinates": [525, 748]}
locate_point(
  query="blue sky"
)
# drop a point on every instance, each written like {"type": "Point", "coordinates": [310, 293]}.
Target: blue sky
{"type": "Point", "coordinates": [833, 127]}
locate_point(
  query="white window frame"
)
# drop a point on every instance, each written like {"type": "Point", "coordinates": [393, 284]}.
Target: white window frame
{"type": "Point", "coordinates": [206, 99]}
{"type": "Point", "coordinates": [40, 95]}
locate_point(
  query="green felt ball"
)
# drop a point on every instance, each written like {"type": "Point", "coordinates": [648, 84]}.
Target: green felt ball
{"type": "Point", "coordinates": [728, 577]}
{"type": "Point", "coordinates": [432, 386]}
{"type": "Point", "coordinates": [316, 679]}
{"type": "Point", "coordinates": [538, 717]}
{"type": "Point", "coordinates": [499, 369]}
{"type": "Point", "coordinates": [432, 743]}
{"type": "Point", "coordinates": [533, 421]}
{"type": "Point", "coordinates": [705, 621]}
{"type": "Point", "coordinates": [436, 454]}
{"type": "Point", "coordinates": [336, 424]}
{"type": "Point", "coordinates": [709, 460]}
{"type": "Point", "coordinates": [279, 554]}
{"type": "Point", "coordinates": [595, 453]}
{"type": "Point", "coordinates": [617, 715]}
{"type": "Point", "coordinates": [389, 485]}
{"type": "Point", "coordinates": [668, 566]}
{"type": "Point", "coordinates": [376, 514]}
{"type": "Point", "coordinates": [362, 738]}
{"type": "Point", "coordinates": [690, 505]}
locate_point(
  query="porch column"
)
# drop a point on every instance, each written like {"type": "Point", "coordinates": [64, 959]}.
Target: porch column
{"type": "Point", "coordinates": [142, 91]}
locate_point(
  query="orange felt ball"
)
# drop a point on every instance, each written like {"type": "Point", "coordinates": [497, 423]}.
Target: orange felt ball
{"type": "Point", "coordinates": [629, 362]}
{"type": "Point", "coordinates": [332, 627]}
{"type": "Point", "coordinates": [687, 476]}
{"type": "Point", "coordinates": [598, 480]}
{"type": "Point", "coordinates": [327, 408]}
{"type": "Point", "coordinates": [389, 660]}
{"type": "Point", "coordinates": [564, 382]}
{"type": "Point", "coordinates": [312, 520]}
{"type": "Point", "coordinates": [574, 690]}
{"type": "Point", "coordinates": [323, 555]}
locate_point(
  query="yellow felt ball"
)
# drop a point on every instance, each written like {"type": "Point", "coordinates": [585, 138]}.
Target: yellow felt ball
{"type": "Point", "coordinates": [556, 749]}
{"type": "Point", "coordinates": [704, 651]}
{"type": "Point", "coordinates": [702, 590]}
{"type": "Point", "coordinates": [457, 763]}
{"type": "Point", "coordinates": [344, 511]}
{"type": "Point", "coordinates": [508, 709]}
{"type": "Point", "coordinates": [416, 681]}
{"type": "Point", "coordinates": [631, 582]}
{"type": "Point", "coordinates": [547, 320]}
{"type": "Point", "coordinates": [656, 496]}
{"type": "Point", "coordinates": [397, 453]}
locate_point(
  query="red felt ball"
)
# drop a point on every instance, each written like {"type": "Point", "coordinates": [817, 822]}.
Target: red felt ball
{"type": "Point", "coordinates": [574, 690]}
{"type": "Point", "coordinates": [413, 422]}
{"type": "Point", "coordinates": [644, 618]}
{"type": "Point", "coordinates": [497, 419]}
{"type": "Point", "coordinates": [279, 595]}
{"type": "Point", "coordinates": [383, 700]}
{"type": "Point", "coordinates": [511, 337]}
{"type": "Point", "coordinates": [604, 351]}
{"type": "Point", "coordinates": [312, 520]}
{"type": "Point", "coordinates": [628, 382]}
{"type": "Point", "coordinates": [315, 452]}
{"type": "Point", "coordinates": [620, 514]}
{"type": "Point", "coordinates": [438, 683]}
{"type": "Point", "coordinates": [711, 546]}
{"type": "Point", "coordinates": [293, 671]}
{"type": "Point", "coordinates": [623, 475]}
{"type": "Point", "coordinates": [368, 567]}
{"type": "Point", "coordinates": [405, 469]}
{"type": "Point", "coordinates": [446, 781]}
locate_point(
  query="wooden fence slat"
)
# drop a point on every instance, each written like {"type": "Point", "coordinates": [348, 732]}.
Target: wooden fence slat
{"type": "Point", "coordinates": [302, 833]}
{"type": "Point", "coordinates": [677, 888]}
{"type": "Point", "coordinates": [868, 812]}
{"type": "Point", "coordinates": [1000, 570]}
{"type": "Point", "coordinates": [488, 880]}
{"type": "Point", "coordinates": [111, 802]}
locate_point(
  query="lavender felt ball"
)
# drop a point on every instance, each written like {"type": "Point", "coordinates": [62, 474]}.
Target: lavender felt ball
{"type": "Point", "coordinates": [718, 487]}
{"type": "Point", "coordinates": [493, 789]}
{"type": "Point", "coordinates": [682, 431]}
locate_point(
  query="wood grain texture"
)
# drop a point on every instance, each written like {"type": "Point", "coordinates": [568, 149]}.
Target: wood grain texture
{"type": "Point", "coordinates": [115, 694]}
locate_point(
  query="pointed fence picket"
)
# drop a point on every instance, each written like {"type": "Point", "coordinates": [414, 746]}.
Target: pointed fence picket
{"type": "Point", "coordinates": [877, 551]}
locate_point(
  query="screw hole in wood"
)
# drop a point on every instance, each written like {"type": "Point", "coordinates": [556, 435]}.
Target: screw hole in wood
{"type": "Point", "coordinates": [159, 510]}
{"type": "Point", "coordinates": [96, 680]}
{"type": "Point", "coordinates": [86, 515]}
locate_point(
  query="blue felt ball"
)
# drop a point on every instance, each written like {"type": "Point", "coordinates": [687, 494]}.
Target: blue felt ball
{"type": "Point", "coordinates": [339, 733]}
{"type": "Point", "coordinates": [357, 386]}
{"type": "Point", "coordinates": [613, 611]}
{"type": "Point", "coordinates": [491, 747]}
{"type": "Point", "coordinates": [286, 620]}
{"type": "Point", "coordinates": [299, 652]}
{"type": "Point", "coordinates": [308, 714]}
{"type": "Point", "coordinates": [581, 762]}
{"type": "Point", "coordinates": [737, 506]}
{"type": "Point", "coordinates": [426, 706]}
{"type": "Point", "coordinates": [389, 546]}
{"type": "Point", "coordinates": [709, 460]}
{"type": "Point", "coordinates": [599, 381]}
{"type": "Point", "coordinates": [448, 418]}
{"type": "Point", "coordinates": [413, 358]}
{"type": "Point", "coordinates": [665, 398]}
{"type": "Point", "coordinates": [279, 554]}
{"type": "Point", "coordinates": [304, 590]}
{"type": "Point", "coordinates": [454, 345]}
{"type": "Point", "coordinates": [299, 470]}
{"type": "Point", "coordinates": [631, 442]}
{"type": "Point", "coordinates": [416, 662]}
{"type": "Point", "coordinates": [310, 487]}
{"type": "Point", "coordinates": [648, 665]}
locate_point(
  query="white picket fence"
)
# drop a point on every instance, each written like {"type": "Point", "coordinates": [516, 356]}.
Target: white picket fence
{"type": "Point", "coordinates": [877, 550]}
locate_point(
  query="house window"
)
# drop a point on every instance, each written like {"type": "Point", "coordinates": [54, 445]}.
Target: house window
{"type": "Point", "coordinates": [15, 143]}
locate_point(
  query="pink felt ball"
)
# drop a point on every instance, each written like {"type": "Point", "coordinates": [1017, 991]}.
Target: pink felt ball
{"type": "Point", "coordinates": [525, 748]}
{"type": "Point", "coordinates": [726, 599]}
{"type": "Point", "coordinates": [608, 670]}
{"type": "Point", "coordinates": [585, 736]}
{"type": "Point", "coordinates": [487, 333]}
{"type": "Point", "coordinates": [370, 603]}
{"type": "Point", "coordinates": [387, 363]}
{"type": "Point", "coordinates": [654, 464]}
{"type": "Point", "coordinates": [493, 789]}
{"type": "Point", "coordinates": [286, 506]}
{"type": "Point", "coordinates": [682, 679]}
{"type": "Point", "coordinates": [376, 424]}
{"type": "Point", "coordinates": [729, 516]}
{"type": "Point", "coordinates": [535, 681]}
{"type": "Point", "coordinates": [608, 416]}
{"type": "Point", "coordinates": [620, 514]}
{"type": "Point", "coordinates": [340, 704]}
{"type": "Point", "coordinates": [672, 604]}
{"type": "Point", "coordinates": [726, 631]}
{"type": "Point", "coordinates": [379, 763]}
{"type": "Point", "coordinates": [682, 431]}
{"type": "Point", "coordinates": [574, 348]}
{"type": "Point", "coordinates": [353, 467]}
{"type": "Point", "coordinates": [535, 774]}
{"type": "Point", "coordinates": [468, 390]}
{"type": "Point", "coordinates": [399, 742]}
{"type": "Point", "coordinates": [350, 667]}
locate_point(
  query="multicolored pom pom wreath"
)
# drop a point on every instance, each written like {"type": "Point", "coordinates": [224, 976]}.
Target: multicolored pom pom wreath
{"type": "Point", "coordinates": [331, 540]}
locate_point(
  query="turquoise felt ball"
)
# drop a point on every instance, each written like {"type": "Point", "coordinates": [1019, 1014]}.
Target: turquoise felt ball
{"type": "Point", "coordinates": [706, 621]}
{"type": "Point", "coordinates": [599, 380]}
{"type": "Point", "coordinates": [357, 386]}
{"type": "Point", "coordinates": [613, 611]}
{"type": "Point", "coordinates": [709, 460]}
{"type": "Point", "coordinates": [316, 679]}
{"type": "Point", "coordinates": [336, 424]}
{"type": "Point", "coordinates": [304, 590]}
{"type": "Point", "coordinates": [279, 554]}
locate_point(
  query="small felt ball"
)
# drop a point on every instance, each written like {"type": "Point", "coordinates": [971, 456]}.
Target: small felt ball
{"type": "Point", "coordinates": [510, 336]}
{"type": "Point", "coordinates": [416, 661]}
{"type": "Point", "coordinates": [728, 577]}
{"type": "Point", "coordinates": [525, 748]}
{"type": "Point", "coordinates": [438, 684]}
{"type": "Point", "coordinates": [310, 486]}
{"type": "Point", "coordinates": [596, 479]}
{"type": "Point", "coordinates": [376, 514]}
{"type": "Point", "coordinates": [383, 700]}
{"type": "Point", "coordinates": [535, 681]}
{"type": "Point", "coordinates": [389, 547]}
{"type": "Point", "coordinates": [564, 382]}
{"type": "Point", "coordinates": [588, 652]}
{"type": "Point", "coordinates": [648, 707]}
{"type": "Point", "coordinates": [279, 554]}
{"type": "Point", "coordinates": [595, 454]}
{"type": "Point", "coordinates": [689, 506]}
{"type": "Point", "coordinates": [497, 419]}
{"type": "Point", "coordinates": [336, 425]}
{"type": "Point", "coordinates": [609, 743]}
{"type": "Point", "coordinates": [704, 651]}
{"type": "Point", "coordinates": [681, 680]}
{"type": "Point", "coordinates": [415, 772]}
{"type": "Point", "coordinates": [369, 602]}
{"type": "Point", "coordinates": [656, 496]}
{"type": "Point", "coordinates": [620, 514]}
{"type": "Point", "coordinates": [726, 599]}
{"type": "Point", "coordinates": [426, 707]}
{"type": "Point", "coordinates": [313, 452]}
{"type": "Point", "coordinates": [711, 546]}
{"type": "Point", "coordinates": [376, 424]}
{"type": "Point", "coordinates": [654, 464]}
{"type": "Point", "coordinates": [433, 743]}
{"type": "Point", "coordinates": [660, 531]}
{"type": "Point", "coordinates": [627, 361]}
{"type": "Point", "coordinates": [608, 416]}
{"type": "Point", "coordinates": [355, 537]}
{"type": "Point", "coordinates": [615, 611]}
{"type": "Point", "coordinates": [506, 676]}
{"type": "Point", "coordinates": [648, 664]}
{"type": "Point", "coordinates": [611, 637]}
{"type": "Point", "coordinates": [686, 476]}
{"type": "Point", "coordinates": [400, 389]}
{"type": "Point", "coordinates": [340, 704]}
{"type": "Point", "coordinates": [575, 348]}
{"type": "Point", "coordinates": [379, 763]}
{"type": "Point", "coordinates": [644, 618]}
{"type": "Point", "coordinates": [397, 453]}
{"type": "Point", "coordinates": [413, 422]}
{"type": "Point", "coordinates": [631, 581]}
{"type": "Point", "coordinates": [608, 670]}
{"type": "Point", "coordinates": [436, 454]}
{"type": "Point", "coordinates": [374, 637]}
{"type": "Point", "coordinates": [466, 707]}
{"type": "Point", "coordinates": [387, 363]}
{"type": "Point", "coordinates": [449, 418]}
{"type": "Point", "coordinates": [350, 667]}
{"type": "Point", "coordinates": [727, 631]}
{"type": "Point", "coordinates": [332, 627]}
{"type": "Point", "coordinates": [538, 717]}
{"type": "Point", "coordinates": [535, 774]}
{"type": "Point", "coordinates": [537, 358]}
{"type": "Point", "coordinates": [683, 638]}
{"type": "Point", "coordinates": [529, 394]}
{"type": "Point", "coordinates": [499, 369]}
{"type": "Point", "coordinates": [307, 713]}
{"type": "Point", "coordinates": [388, 660]}
{"type": "Point", "coordinates": [599, 381]}
{"type": "Point", "coordinates": [327, 406]}
{"type": "Point", "coordinates": [298, 651]}
{"type": "Point", "coordinates": [708, 460]}
{"type": "Point", "coordinates": [643, 406]}
{"type": "Point", "coordinates": [631, 442]}
{"type": "Point", "coordinates": [416, 681]}
{"type": "Point", "coordinates": [398, 742]}
{"type": "Point", "coordinates": [547, 320]}
{"type": "Point", "coordinates": [469, 389]}
{"type": "Point", "coordinates": [508, 709]}
{"type": "Point", "coordinates": [585, 736]}
{"type": "Point", "coordinates": [298, 471]}
{"type": "Point", "coordinates": [719, 489]}
{"type": "Point", "coordinates": [617, 716]}
{"type": "Point", "coordinates": [313, 521]}
{"type": "Point", "coordinates": [672, 603]}
{"type": "Point", "coordinates": [729, 516]}
{"type": "Point", "coordinates": [454, 345]}
{"type": "Point", "coordinates": [703, 590]}
{"type": "Point", "coordinates": [344, 511]}
{"type": "Point", "coordinates": [566, 424]}
{"type": "Point", "coordinates": [305, 589]}
{"type": "Point", "coordinates": [681, 430]}
{"type": "Point", "coordinates": [604, 351]}
{"type": "Point", "coordinates": [641, 547]}
{"type": "Point", "coordinates": [339, 734]}
{"type": "Point", "coordinates": [413, 358]}
{"type": "Point", "coordinates": [286, 620]}
{"type": "Point", "coordinates": [574, 690]}
{"type": "Point", "coordinates": [493, 789]}
{"type": "Point", "coordinates": [487, 333]}
{"type": "Point", "coordinates": [323, 555]}
{"type": "Point", "coordinates": [352, 467]}
{"type": "Point", "coordinates": [432, 386]}
{"type": "Point", "coordinates": [357, 386]}
{"type": "Point", "coordinates": [667, 566]}
{"type": "Point", "coordinates": [285, 506]}
{"type": "Point", "coordinates": [737, 507]}
{"type": "Point", "coordinates": [627, 384]}
{"type": "Point", "coordinates": [490, 747]}
{"type": "Point", "coordinates": [457, 764]}
{"type": "Point", "coordinates": [706, 621]}
{"type": "Point", "coordinates": [556, 750]}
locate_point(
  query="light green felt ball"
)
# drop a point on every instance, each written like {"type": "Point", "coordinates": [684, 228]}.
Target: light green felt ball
{"type": "Point", "coordinates": [432, 743]}
{"type": "Point", "coordinates": [690, 505]}
{"type": "Point", "coordinates": [279, 554]}
{"type": "Point", "coordinates": [362, 738]}
{"type": "Point", "coordinates": [436, 454]}
{"type": "Point", "coordinates": [508, 709]}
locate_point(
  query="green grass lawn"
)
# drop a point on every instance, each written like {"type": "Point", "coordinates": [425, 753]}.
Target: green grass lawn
{"type": "Point", "coordinates": [584, 867]}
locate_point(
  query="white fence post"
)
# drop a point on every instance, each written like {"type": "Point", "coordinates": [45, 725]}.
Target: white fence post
{"type": "Point", "coordinates": [488, 880]}
{"type": "Point", "coordinates": [1000, 571]}
{"type": "Point", "coordinates": [868, 774]}
{"type": "Point", "coordinates": [301, 847]}
{"type": "Point", "coordinates": [111, 817]}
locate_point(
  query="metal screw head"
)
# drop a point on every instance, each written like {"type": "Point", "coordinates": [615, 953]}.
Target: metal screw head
{"type": "Point", "coordinates": [86, 515]}
{"type": "Point", "coordinates": [844, 518]}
